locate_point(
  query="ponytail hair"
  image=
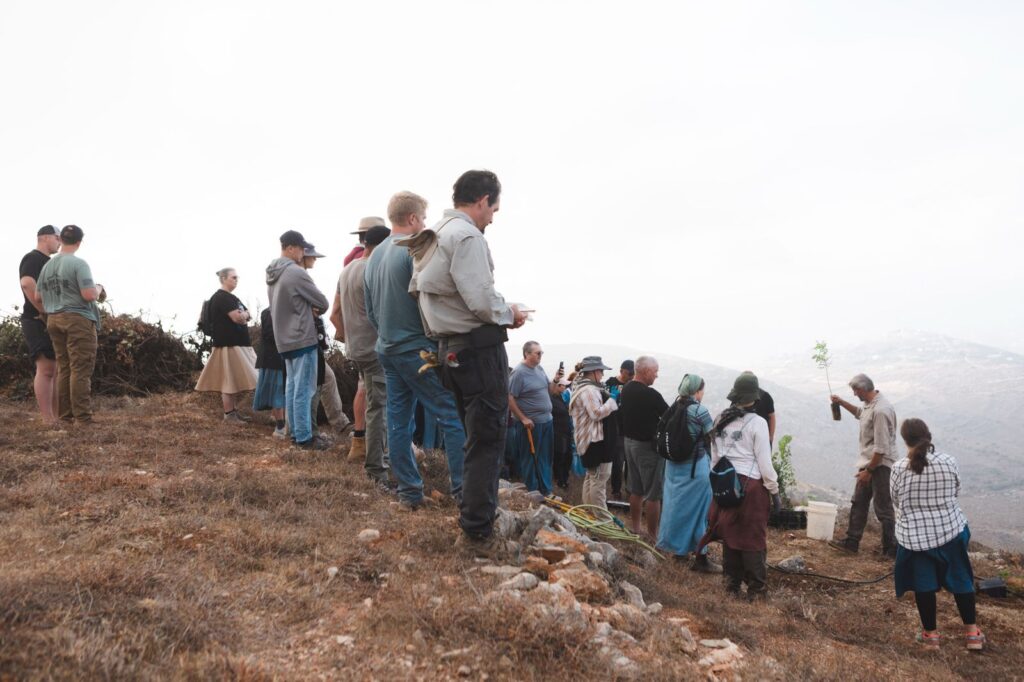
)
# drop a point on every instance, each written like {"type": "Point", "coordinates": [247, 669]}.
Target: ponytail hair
{"type": "Point", "coordinates": [918, 438]}
{"type": "Point", "coordinates": [223, 273]}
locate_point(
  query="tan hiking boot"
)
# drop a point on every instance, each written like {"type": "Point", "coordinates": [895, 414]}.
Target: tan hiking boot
{"type": "Point", "coordinates": [357, 449]}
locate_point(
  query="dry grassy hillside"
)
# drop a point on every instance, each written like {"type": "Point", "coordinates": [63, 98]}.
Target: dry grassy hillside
{"type": "Point", "coordinates": [158, 543]}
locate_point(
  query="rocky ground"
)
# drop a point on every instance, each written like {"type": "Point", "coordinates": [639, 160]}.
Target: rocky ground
{"type": "Point", "coordinates": [160, 543]}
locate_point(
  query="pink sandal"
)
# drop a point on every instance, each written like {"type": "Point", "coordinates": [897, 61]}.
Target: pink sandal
{"type": "Point", "coordinates": [975, 640]}
{"type": "Point", "coordinates": [930, 641]}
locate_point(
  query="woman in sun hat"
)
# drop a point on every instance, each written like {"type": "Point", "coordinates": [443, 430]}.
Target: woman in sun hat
{"type": "Point", "coordinates": [687, 489]}
{"type": "Point", "coordinates": [591, 407]}
{"type": "Point", "coordinates": [741, 434]}
{"type": "Point", "coordinates": [231, 368]}
{"type": "Point", "coordinates": [932, 534]}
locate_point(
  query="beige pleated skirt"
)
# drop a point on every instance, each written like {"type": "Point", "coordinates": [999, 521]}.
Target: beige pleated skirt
{"type": "Point", "coordinates": [230, 369]}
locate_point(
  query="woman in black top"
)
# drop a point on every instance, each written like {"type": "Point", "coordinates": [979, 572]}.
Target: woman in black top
{"type": "Point", "coordinates": [231, 368]}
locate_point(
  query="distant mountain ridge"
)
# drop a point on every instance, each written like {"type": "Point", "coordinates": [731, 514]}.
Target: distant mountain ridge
{"type": "Point", "coordinates": [967, 393]}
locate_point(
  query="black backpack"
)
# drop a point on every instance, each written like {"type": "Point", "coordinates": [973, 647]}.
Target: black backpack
{"type": "Point", "coordinates": [673, 439]}
{"type": "Point", "coordinates": [205, 323]}
{"type": "Point", "coordinates": [725, 484]}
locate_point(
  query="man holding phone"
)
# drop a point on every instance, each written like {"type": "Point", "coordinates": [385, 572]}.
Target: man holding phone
{"type": "Point", "coordinates": [529, 399]}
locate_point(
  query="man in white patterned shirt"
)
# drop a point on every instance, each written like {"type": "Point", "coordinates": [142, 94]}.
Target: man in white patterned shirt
{"type": "Point", "coordinates": [877, 455]}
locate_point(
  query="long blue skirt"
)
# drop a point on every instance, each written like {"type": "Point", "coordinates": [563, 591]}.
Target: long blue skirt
{"type": "Point", "coordinates": [269, 390]}
{"type": "Point", "coordinates": [684, 507]}
{"type": "Point", "coordinates": [946, 567]}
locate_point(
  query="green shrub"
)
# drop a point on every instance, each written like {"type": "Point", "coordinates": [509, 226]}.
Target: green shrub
{"type": "Point", "coordinates": [783, 463]}
{"type": "Point", "coordinates": [16, 369]}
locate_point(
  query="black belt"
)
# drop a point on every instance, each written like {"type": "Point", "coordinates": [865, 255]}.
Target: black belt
{"type": "Point", "coordinates": [482, 337]}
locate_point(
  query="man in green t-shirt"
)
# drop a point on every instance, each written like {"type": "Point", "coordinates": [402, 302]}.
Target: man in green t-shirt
{"type": "Point", "coordinates": [69, 299]}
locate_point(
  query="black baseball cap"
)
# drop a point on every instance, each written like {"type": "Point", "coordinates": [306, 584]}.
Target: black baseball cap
{"type": "Point", "coordinates": [628, 366]}
{"type": "Point", "coordinates": [375, 235]}
{"type": "Point", "coordinates": [47, 230]}
{"type": "Point", "coordinates": [71, 234]}
{"type": "Point", "coordinates": [293, 238]}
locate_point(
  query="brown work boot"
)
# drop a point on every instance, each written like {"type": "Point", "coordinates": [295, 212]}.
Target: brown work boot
{"type": "Point", "coordinates": [486, 548]}
{"type": "Point", "coordinates": [357, 449]}
{"type": "Point", "coordinates": [703, 564]}
{"type": "Point", "coordinates": [844, 546]}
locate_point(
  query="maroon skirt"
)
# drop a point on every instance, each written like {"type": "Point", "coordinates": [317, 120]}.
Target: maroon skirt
{"type": "Point", "coordinates": [743, 528]}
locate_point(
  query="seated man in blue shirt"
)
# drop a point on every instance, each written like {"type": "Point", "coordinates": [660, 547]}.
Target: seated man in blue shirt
{"type": "Point", "coordinates": [400, 338]}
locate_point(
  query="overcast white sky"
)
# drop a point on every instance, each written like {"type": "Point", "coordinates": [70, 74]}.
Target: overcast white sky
{"type": "Point", "coordinates": [722, 181]}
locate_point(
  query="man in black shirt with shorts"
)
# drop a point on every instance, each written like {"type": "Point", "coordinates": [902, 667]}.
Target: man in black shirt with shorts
{"type": "Point", "coordinates": [641, 407]}
{"type": "Point", "coordinates": [40, 349]}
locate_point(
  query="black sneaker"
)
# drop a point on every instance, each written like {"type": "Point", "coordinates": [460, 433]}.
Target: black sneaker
{"type": "Point", "coordinates": [315, 443]}
{"type": "Point", "coordinates": [384, 485]}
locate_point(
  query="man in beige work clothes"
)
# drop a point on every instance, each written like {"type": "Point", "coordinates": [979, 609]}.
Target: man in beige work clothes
{"type": "Point", "coordinates": [877, 455]}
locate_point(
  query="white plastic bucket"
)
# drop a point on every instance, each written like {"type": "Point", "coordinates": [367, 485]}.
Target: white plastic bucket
{"type": "Point", "coordinates": [821, 520]}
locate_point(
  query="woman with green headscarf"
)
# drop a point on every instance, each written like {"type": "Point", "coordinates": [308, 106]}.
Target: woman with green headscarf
{"type": "Point", "coordinates": [687, 492]}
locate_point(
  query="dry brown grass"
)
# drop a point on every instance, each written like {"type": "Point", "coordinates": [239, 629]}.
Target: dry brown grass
{"type": "Point", "coordinates": [818, 629]}
{"type": "Point", "coordinates": [159, 543]}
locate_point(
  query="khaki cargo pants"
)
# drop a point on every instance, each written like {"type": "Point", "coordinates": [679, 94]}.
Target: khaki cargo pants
{"type": "Point", "coordinates": [74, 344]}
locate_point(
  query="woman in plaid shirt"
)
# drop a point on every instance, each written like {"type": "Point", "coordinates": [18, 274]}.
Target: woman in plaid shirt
{"type": "Point", "coordinates": [932, 534]}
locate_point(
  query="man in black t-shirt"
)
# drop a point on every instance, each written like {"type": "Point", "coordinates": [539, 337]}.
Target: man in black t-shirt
{"type": "Point", "coordinates": [641, 407]}
{"type": "Point", "coordinates": [764, 406]}
{"type": "Point", "coordinates": [33, 326]}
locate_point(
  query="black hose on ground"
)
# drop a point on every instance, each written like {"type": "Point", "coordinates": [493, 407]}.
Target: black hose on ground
{"type": "Point", "coordinates": [830, 577]}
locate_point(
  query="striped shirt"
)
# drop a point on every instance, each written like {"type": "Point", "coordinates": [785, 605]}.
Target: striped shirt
{"type": "Point", "coordinates": [927, 512]}
{"type": "Point", "coordinates": [587, 412]}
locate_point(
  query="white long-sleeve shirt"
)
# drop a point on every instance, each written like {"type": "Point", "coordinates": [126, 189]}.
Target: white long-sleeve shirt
{"type": "Point", "coordinates": [745, 442]}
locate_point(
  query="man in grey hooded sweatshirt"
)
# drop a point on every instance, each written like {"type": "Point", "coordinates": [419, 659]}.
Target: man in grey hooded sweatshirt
{"type": "Point", "coordinates": [294, 300]}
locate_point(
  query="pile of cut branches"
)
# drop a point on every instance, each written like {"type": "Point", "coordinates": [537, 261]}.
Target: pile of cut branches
{"type": "Point", "coordinates": [133, 357]}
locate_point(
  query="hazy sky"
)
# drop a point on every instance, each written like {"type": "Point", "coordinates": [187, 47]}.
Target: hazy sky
{"type": "Point", "coordinates": [717, 180]}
